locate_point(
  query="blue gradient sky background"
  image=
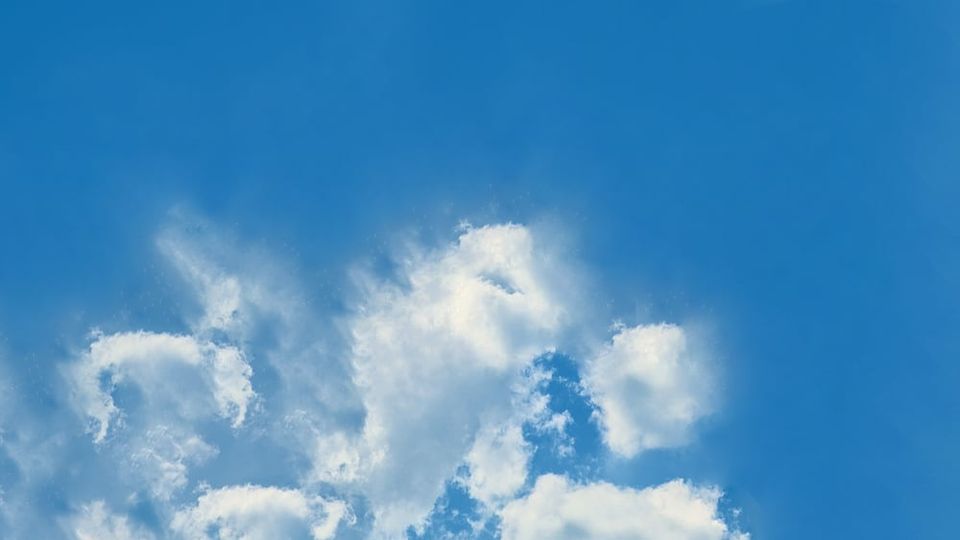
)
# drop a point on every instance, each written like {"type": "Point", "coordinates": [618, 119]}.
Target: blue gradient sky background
{"type": "Point", "coordinates": [784, 170]}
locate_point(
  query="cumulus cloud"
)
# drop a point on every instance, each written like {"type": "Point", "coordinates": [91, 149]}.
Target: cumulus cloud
{"type": "Point", "coordinates": [560, 510]}
{"type": "Point", "coordinates": [434, 379]}
{"type": "Point", "coordinates": [95, 521]}
{"type": "Point", "coordinates": [498, 462]}
{"type": "Point", "coordinates": [650, 388]}
{"type": "Point", "coordinates": [436, 355]}
{"type": "Point", "coordinates": [259, 513]}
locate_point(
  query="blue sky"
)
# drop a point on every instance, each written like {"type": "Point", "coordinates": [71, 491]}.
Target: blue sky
{"type": "Point", "coordinates": [777, 178]}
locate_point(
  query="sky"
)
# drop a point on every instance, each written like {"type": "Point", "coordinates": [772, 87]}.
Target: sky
{"type": "Point", "coordinates": [657, 270]}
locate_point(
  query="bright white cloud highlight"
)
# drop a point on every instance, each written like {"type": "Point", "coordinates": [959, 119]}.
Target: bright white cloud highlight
{"type": "Point", "coordinates": [560, 510]}
{"type": "Point", "coordinates": [259, 513]}
{"type": "Point", "coordinates": [649, 387]}
{"type": "Point", "coordinates": [431, 381]}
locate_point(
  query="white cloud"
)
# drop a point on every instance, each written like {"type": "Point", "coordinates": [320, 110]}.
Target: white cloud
{"type": "Point", "coordinates": [559, 510]}
{"type": "Point", "coordinates": [259, 513]}
{"type": "Point", "coordinates": [436, 357]}
{"type": "Point", "coordinates": [180, 381]}
{"type": "Point", "coordinates": [95, 521]}
{"type": "Point", "coordinates": [178, 376]}
{"type": "Point", "coordinates": [339, 459]}
{"type": "Point", "coordinates": [650, 388]}
{"type": "Point", "coordinates": [498, 464]}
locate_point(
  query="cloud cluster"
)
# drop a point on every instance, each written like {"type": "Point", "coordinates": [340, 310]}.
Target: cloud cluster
{"type": "Point", "coordinates": [176, 375]}
{"type": "Point", "coordinates": [250, 300]}
{"type": "Point", "coordinates": [432, 379]}
{"type": "Point", "coordinates": [436, 353]}
{"type": "Point", "coordinates": [649, 387]}
{"type": "Point", "coordinates": [174, 382]}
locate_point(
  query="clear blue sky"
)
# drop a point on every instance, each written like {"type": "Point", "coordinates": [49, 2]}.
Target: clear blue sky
{"type": "Point", "coordinates": [786, 170]}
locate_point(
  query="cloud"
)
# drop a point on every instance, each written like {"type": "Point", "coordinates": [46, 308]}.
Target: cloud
{"type": "Point", "coordinates": [259, 513]}
{"type": "Point", "coordinates": [498, 463]}
{"type": "Point", "coordinates": [95, 521]}
{"type": "Point", "coordinates": [559, 510]}
{"type": "Point", "coordinates": [177, 375]}
{"type": "Point", "coordinates": [650, 388]}
{"type": "Point", "coordinates": [248, 298]}
{"type": "Point", "coordinates": [177, 381]}
{"type": "Point", "coordinates": [436, 355]}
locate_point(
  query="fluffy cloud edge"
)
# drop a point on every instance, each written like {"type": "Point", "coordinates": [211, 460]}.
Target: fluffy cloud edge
{"type": "Point", "coordinates": [255, 512]}
{"type": "Point", "coordinates": [650, 388]}
{"type": "Point", "coordinates": [182, 381]}
{"type": "Point", "coordinates": [221, 370]}
{"type": "Point", "coordinates": [558, 509]}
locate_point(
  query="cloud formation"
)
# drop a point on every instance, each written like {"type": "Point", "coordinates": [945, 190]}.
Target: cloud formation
{"type": "Point", "coordinates": [649, 387]}
{"type": "Point", "coordinates": [432, 380]}
{"type": "Point", "coordinates": [175, 382]}
{"type": "Point", "coordinates": [561, 510]}
{"type": "Point", "coordinates": [176, 375]}
{"type": "Point", "coordinates": [436, 353]}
